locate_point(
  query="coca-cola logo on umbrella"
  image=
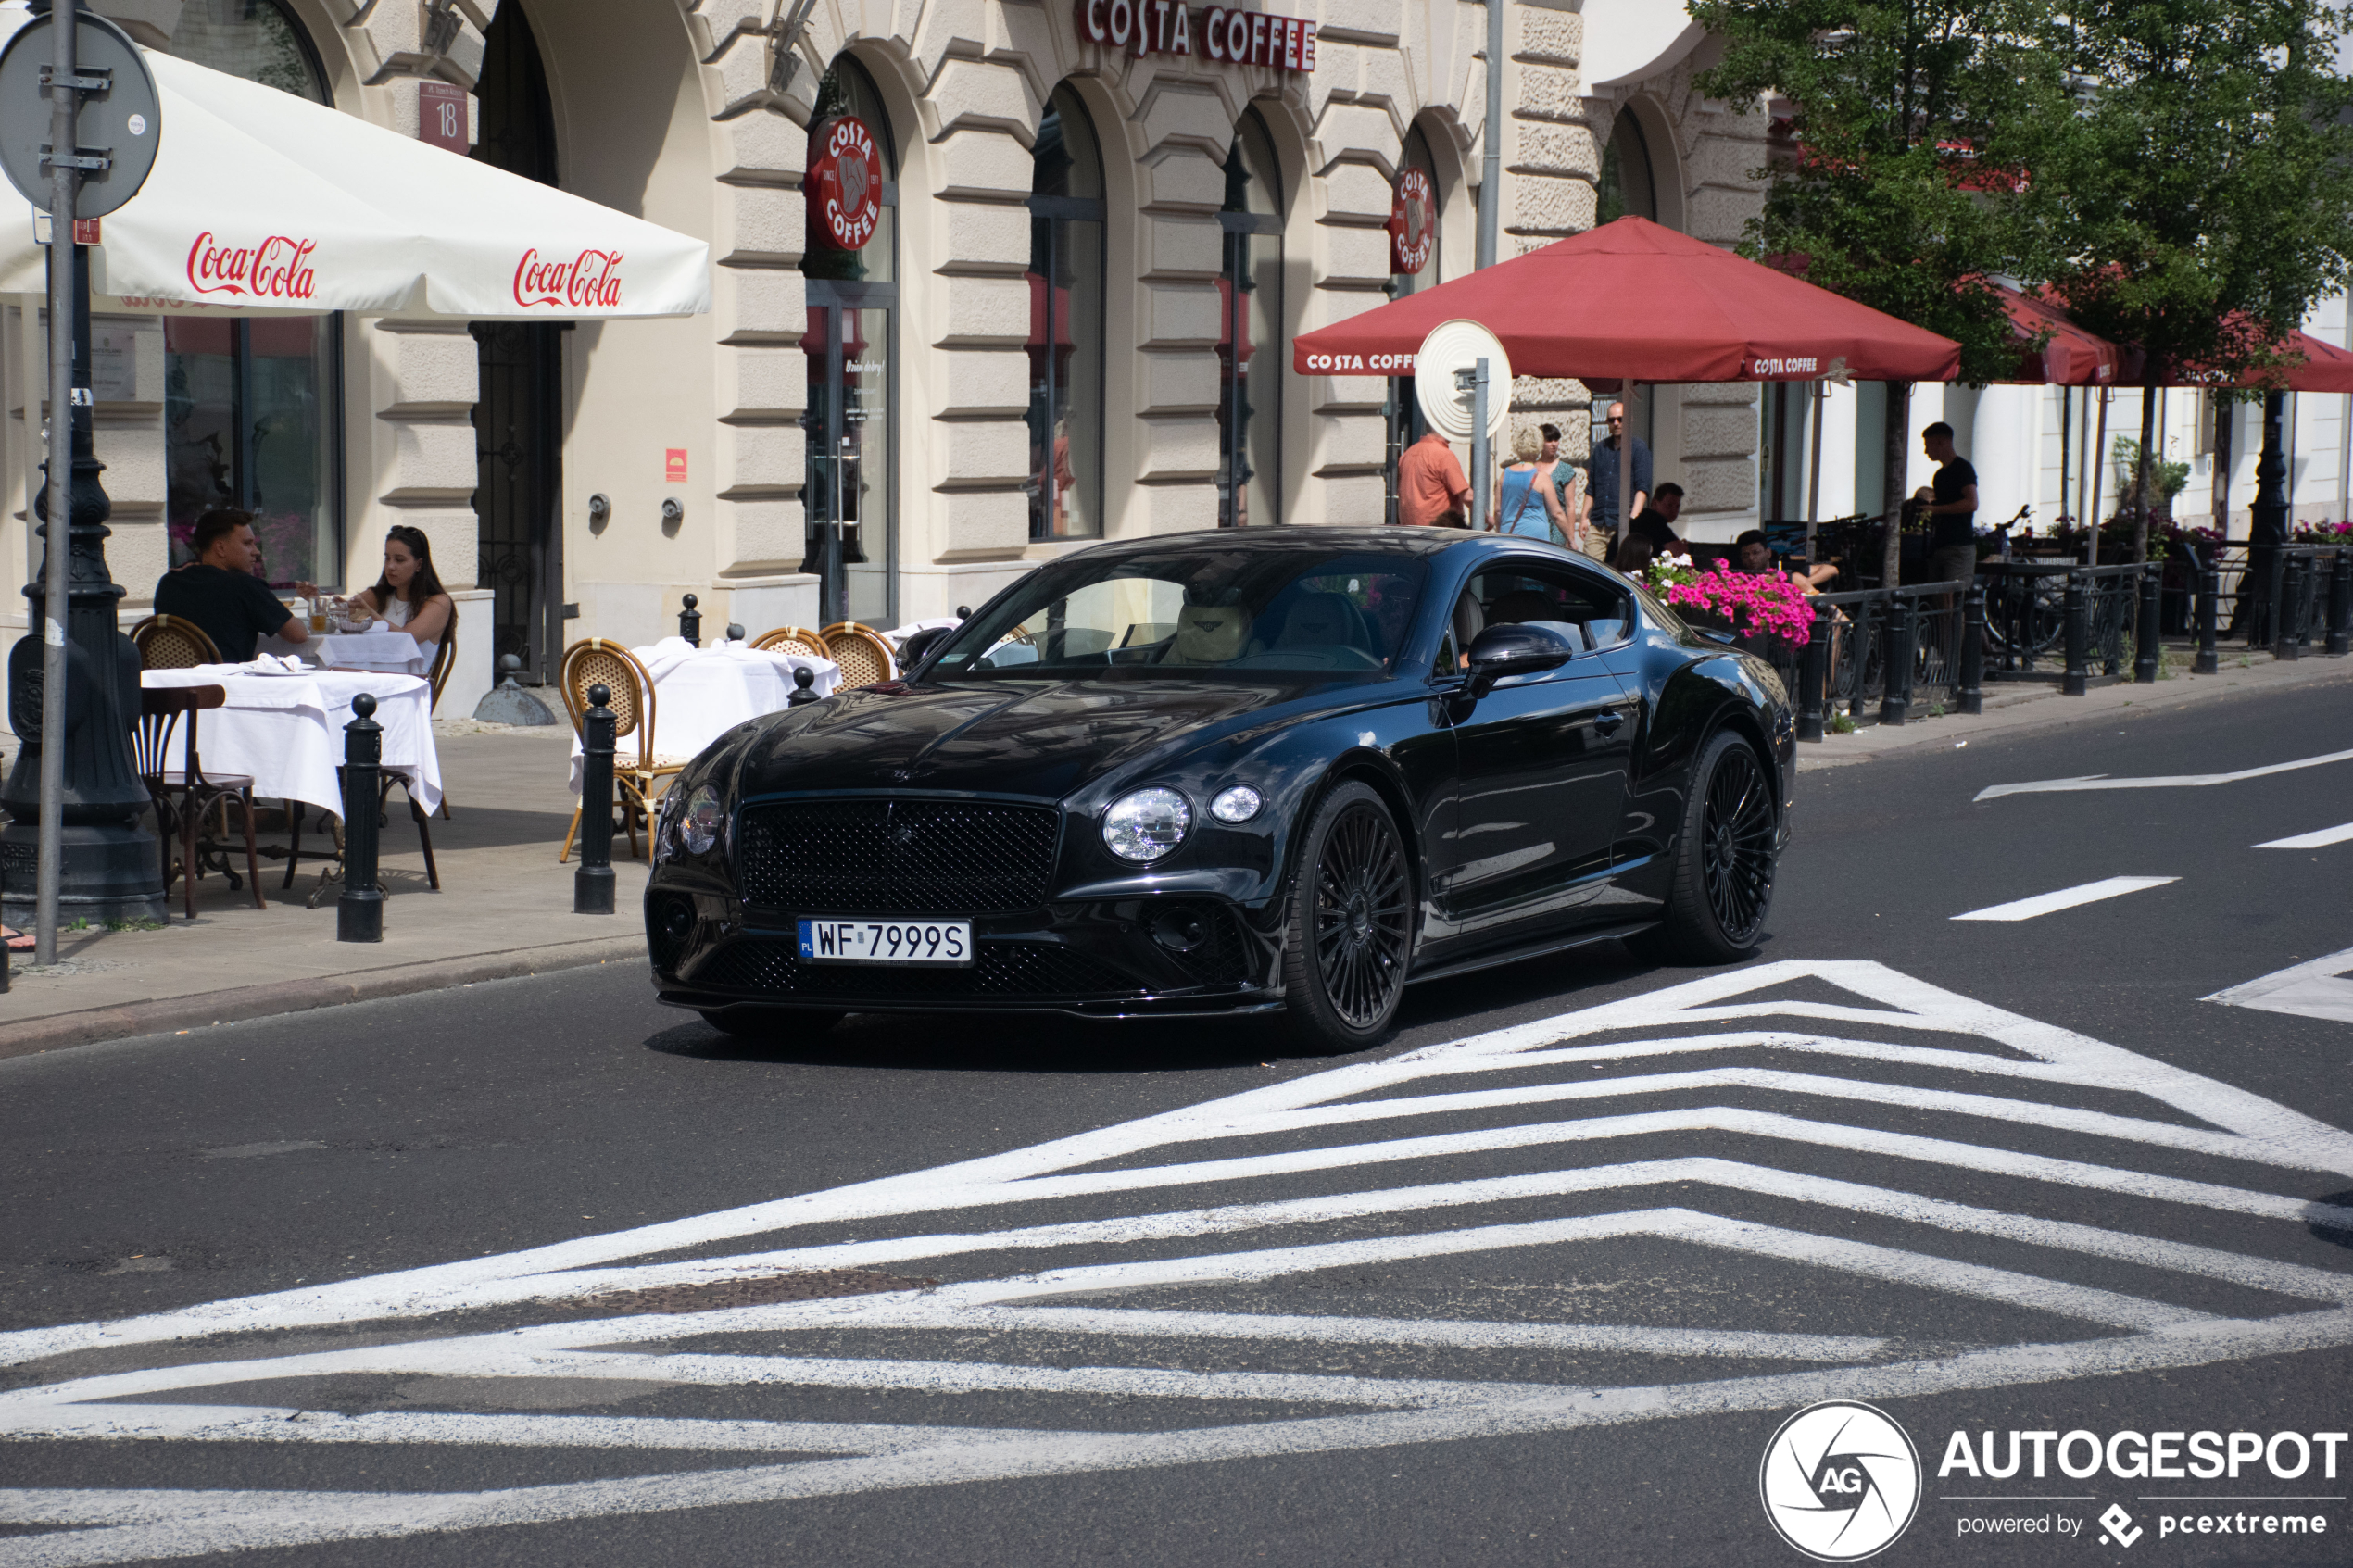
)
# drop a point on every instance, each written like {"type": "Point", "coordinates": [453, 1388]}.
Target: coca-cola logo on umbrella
{"type": "Point", "coordinates": [1413, 223]}
{"type": "Point", "coordinates": [844, 182]}
{"type": "Point", "coordinates": [587, 280]}
{"type": "Point", "coordinates": [275, 267]}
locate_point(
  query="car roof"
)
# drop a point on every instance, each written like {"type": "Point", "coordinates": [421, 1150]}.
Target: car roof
{"type": "Point", "coordinates": [1403, 541]}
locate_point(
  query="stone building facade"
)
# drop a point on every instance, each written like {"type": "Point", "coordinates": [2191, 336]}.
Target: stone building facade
{"type": "Point", "coordinates": [1071, 321]}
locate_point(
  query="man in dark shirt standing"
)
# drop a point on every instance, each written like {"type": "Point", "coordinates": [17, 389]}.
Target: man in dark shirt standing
{"type": "Point", "coordinates": [1952, 539]}
{"type": "Point", "coordinates": [220, 593]}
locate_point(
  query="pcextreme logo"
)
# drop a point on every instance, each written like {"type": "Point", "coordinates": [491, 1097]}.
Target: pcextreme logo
{"type": "Point", "coordinates": [1840, 1481]}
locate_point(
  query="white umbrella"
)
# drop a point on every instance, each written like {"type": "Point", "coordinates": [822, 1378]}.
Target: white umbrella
{"type": "Point", "coordinates": [262, 201]}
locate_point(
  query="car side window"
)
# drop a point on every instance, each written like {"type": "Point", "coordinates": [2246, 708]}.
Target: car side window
{"type": "Point", "coordinates": [1595, 613]}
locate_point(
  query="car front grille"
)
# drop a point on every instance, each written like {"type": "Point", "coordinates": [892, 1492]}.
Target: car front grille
{"type": "Point", "coordinates": [896, 857]}
{"type": "Point", "coordinates": [1001, 971]}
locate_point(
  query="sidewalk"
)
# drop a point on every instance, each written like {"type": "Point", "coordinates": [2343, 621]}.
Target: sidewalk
{"type": "Point", "coordinates": [2013, 706]}
{"type": "Point", "coordinates": [505, 909]}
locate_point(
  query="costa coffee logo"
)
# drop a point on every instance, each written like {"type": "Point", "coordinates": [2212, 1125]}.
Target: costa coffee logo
{"type": "Point", "coordinates": [844, 183]}
{"type": "Point", "coordinates": [590, 281]}
{"type": "Point", "coordinates": [1413, 223]}
{"type": "Point", "coordinates": [279, 268]}
{"type": "Point", "coordinates": [1230, 37]}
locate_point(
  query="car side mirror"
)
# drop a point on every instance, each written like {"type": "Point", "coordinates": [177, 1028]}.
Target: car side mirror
{"type": "Point", "coordinates": [1515, 648]}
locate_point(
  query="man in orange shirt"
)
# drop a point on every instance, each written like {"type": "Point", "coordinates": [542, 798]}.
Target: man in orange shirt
{"type": "Point", "coordinates": [1430, 486]}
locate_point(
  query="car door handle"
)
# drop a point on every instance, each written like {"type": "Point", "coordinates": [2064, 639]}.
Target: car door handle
{"type": "Point", "coordinates": [1607, 721]}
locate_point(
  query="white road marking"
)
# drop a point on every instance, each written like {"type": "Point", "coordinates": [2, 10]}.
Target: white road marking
{"type": "Point", "coordinates": [2320, 840]}
{"type": "Point", "coordinates": [2306, 990]}
{"type": "Point", "coordinates": [2173, 781]}
{"type": "Point", "coordinates": [2067, 898]}
{"type": "Point", "coordinates": [2048, 1073]}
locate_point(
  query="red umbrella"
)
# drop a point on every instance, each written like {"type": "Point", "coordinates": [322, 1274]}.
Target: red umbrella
{"type": "Point", "coordinates": [1634, 301]}
{"type": "Point", "coordinates": [2326, 367]}
{"type": "Point", "coordinates": [2072, 357]}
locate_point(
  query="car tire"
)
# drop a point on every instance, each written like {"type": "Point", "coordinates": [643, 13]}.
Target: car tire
{"type": "Point", "coordinates": [1720, 880]}
{"type": "Point", "coordinates": [771, 1024]}
{"type": "Point", "coordinates": [1350, 933]}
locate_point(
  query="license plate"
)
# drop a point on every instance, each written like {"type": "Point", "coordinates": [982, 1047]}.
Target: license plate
{"type": "Point", "coordinates": [934, 942]}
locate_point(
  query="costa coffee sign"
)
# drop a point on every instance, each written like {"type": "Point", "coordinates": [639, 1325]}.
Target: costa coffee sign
{"type": "Point", "coordinates": [276, 268]}
{"type": "Point", "coordinates": [844, 182]}
{"type": "Point", "coordinates": [587, 280]}
{"type": "Point", "coordinates": [1229, 37]}
{"type": "Point", "coordinates": [1413, 223]}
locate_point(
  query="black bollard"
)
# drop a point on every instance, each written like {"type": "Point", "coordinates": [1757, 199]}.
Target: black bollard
{"type": "Point", "coordinates": [803, 679]}
{"type": "Point", "coordinates": [592, 880]}
{"type": "Point", "coordinates": [1970, 698]}
{"type": "Point", "coordinates": [359, 912]}
{"type": "Point", "coordinates": [690, 622]}
{"type": "Point", "coordinates": [2341, 604]}
{"type": "Point", "coordinates": [1901, 630]}
{"type": "Point", "coordinates": [1814, 675]}
{"type": "Point", "coordinates": [2147, 658]}
{"type": "Point", "coordinates": [2287, 611]}
{"type": "Point", "coordinates": [2209, 609]}
{"type": "Point", "coordinates": [2077, 678]}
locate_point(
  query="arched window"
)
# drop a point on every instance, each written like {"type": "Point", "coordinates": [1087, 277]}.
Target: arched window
{"type": "Point", "coordinates": [253, 405]}
{"type": "Point", "coordinates": [851, 341]}
{"type": "Point", "coordinates": [1250, 333]}
{"type": "Point", "coordinates": [1065, 483]}
{"type": "Point", "coordinates": [1627, 184]}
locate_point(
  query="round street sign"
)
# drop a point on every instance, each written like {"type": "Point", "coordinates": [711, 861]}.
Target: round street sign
{"type": "Point", "coordinates": [124, 122]}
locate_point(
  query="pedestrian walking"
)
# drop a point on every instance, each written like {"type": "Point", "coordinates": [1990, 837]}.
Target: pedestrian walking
{"type": "Point", "coordinates": [1524, 503]}
{"type": "Point", "coordinates": [1561, 478]}
{"type": "Point", "coordinates": [1430, 486]}
{"type": "Point", "coordinates": [1600, 477]}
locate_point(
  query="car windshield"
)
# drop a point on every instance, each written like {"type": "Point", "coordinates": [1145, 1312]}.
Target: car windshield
{"type": "Point", "coordinates": [1197, 612]}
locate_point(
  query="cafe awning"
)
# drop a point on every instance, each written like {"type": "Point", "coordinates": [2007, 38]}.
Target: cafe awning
{"type": "Point", "coordinates": [260, 201]}
{"type": "Point", "coordinates": [2070, 357]}
{"type": "Point", "coordinates": [1634, 301]}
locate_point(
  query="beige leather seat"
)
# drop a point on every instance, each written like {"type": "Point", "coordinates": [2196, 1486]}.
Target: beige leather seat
{"type": "Point", "coordinates": [1210, 635]}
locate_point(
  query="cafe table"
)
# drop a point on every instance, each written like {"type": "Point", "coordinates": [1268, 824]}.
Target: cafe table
{"type": "Point", "coordinates": [385, 650]}
{"type": "Point", "coordinates": [700, 694]}
{"type": "Point", "coordinates": [283, 727]}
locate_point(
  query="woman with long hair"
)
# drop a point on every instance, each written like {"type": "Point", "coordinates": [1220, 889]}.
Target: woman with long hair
{"type": "Point", "coordinates": [410, 593]}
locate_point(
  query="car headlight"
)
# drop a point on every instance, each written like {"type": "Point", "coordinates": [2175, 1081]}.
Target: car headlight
{"type": "Point", "coordinates": [1239, 804]}
{"type": "Point", "coordinates": [1148, 824]}
{"type": "Point", "coordinates": [699, 824]}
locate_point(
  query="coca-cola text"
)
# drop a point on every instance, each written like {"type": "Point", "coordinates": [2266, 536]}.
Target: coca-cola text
{"type": "Point", "coordinates": [279, 268]}
{"type": "Point", "coordinates": [590, 281]}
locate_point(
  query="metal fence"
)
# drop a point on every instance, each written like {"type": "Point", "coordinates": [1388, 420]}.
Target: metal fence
{"type": "Point", "coordinates": [1877, 654]}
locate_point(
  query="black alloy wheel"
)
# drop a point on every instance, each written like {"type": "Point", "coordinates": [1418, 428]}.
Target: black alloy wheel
{"type": "Point", "coordinates": [1352, 922]}
{"type": "Point", "coordinates": [1720, 881]}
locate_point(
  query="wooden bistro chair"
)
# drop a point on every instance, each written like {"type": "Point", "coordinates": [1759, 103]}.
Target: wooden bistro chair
{"type": "Point", "coordinates": [792, 639]}
{"type": "Point", "coordinates": [183, 796]}
{"type": "Point", "coordinates": [593, 662]}
{"type": "Point", "coordinates": [864, 654]}
{"type": "Point", "coordinates": [166, 642]}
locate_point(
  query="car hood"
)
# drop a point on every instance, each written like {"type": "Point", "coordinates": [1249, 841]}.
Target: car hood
{"type": "Point", "coordinates": [1037, 738]}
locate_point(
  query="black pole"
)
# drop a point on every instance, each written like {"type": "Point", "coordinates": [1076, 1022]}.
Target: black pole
{"type": "Point", "coordinates": [2076, 679]}
{"type": "Point", "coordinates": [592, 881]}
{"type": "Point", "coordinates": [1897, 636]}
{"type": "Point", "coordinates": [1971, 697]}
{"type": "Point", "coordinates": [690, 622]}
{"type": "Point", "coordinates": [1813, 675]}
{"type": "Point", "coordinates": [2148, 661]}
{"type": "Point", "coordinates": [2341, 604]}
{"type": "Point", "coordinates": [2210, 608]}
{"type": "Point", "coordinates": [2286, 606]}
{"type": "Point", "coordinates": [2268, 523]}
{"type": "Point", "coordinates": [359, 912]}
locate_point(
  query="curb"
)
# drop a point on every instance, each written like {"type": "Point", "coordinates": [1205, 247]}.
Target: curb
{"type": "Point", "coordinates": [95, 1025]}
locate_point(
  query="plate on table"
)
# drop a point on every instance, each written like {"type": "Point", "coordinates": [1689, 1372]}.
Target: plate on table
{"type": "Point", "coordinates": [931, 943]}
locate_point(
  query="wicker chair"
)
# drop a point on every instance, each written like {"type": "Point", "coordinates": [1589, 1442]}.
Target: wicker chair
{"type": "Point", "coordinates": [166, 642]}
{"type": "Point", "coordinates": [594, 661]}
{"type": "Point", "coordinates": [864, 654]}
{"type": "Point", "coordinates": [792, 639]}
{"type": "Point", "coordinates": [183, 796]}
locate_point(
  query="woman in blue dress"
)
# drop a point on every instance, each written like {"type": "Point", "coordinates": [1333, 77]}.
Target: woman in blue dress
{"type": "Point", "coordinates": [1523, 504]}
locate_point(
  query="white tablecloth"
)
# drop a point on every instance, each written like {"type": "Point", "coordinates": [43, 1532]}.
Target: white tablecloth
{"type": "Point", "coordinates": [393, 653]}
{"type": "Point", "coordinates": [700, 694]}
{"type": "Point", "coordinates": [286, 730]}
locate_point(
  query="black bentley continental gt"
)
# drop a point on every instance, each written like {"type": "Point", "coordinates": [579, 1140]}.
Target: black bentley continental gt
{"type": "Point", "coordinates": [1246, 772]}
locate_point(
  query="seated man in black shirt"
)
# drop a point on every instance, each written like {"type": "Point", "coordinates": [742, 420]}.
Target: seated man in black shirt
{"type": "Point", "coordinates": [220, 593]}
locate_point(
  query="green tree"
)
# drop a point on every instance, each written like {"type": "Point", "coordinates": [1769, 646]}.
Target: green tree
{"type": "Point", "coordinates": [2202, 192]}
{"type": "Point", "coordinates": [1903, 182]}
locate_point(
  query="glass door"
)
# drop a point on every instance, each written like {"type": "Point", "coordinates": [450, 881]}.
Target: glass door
{"type": "Point", "coordinates": [853, 544]}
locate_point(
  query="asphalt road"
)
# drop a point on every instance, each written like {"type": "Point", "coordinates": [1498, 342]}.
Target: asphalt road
{"type": "Point", "coordinates": [1540, 1282]}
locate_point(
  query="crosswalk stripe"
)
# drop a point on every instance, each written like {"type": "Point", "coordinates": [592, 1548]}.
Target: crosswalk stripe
{"type": "Point", "coordinates": [2318, 840]}
{"type": "Point", "coordinates": [2067, 898]}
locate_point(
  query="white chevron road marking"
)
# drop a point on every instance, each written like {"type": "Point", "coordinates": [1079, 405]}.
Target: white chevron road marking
{"type": "Point", "coordinates": [2318, 840]}
{"type": "Point", "coordinates": [2120, 1163]}
{"type": "Point", "coordinates": [2170, 781]}
{"type": "Point", "coordinates": [2306, 990]}
{"type": "Point", "coordinates": [2067, 898]}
